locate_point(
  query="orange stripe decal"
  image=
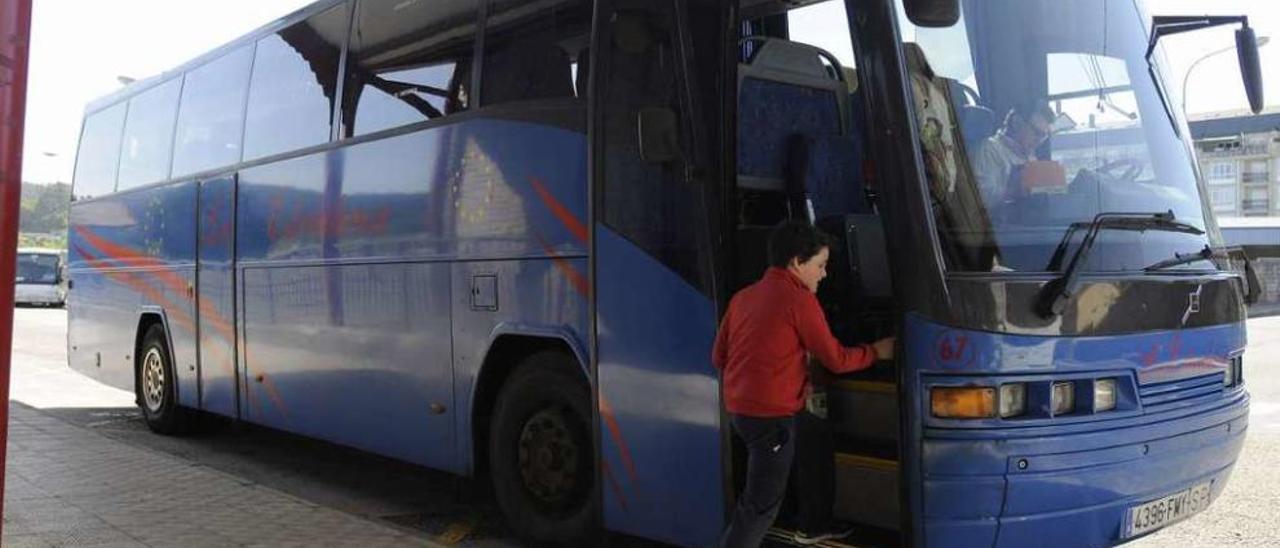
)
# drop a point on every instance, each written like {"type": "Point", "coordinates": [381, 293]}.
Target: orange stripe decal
{"type": "Point", "coordinates": [132, 257]}
{"type": "Point", "coordinates": [174, 313]}
{"type": "Point", "coordinates": [613, 484]}
{"type": "Point", "coordinates": [615, 432]}
{"type": "Point", "coordinates": [576, 278]}
{"type": "Point", "coordinates": [566, 217]}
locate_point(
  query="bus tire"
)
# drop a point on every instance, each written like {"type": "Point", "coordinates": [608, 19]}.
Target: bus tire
{"type": "Point", "coordinates": [155, 384]}
{"type": "Point", "coordinates": [541, 458]}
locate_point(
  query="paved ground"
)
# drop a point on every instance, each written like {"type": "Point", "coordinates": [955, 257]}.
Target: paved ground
{"type": "Point", "coordinates": [69, 487]}
{"type": "Point", "coordinates": [83, 470]}
{"type": "Point", "coordinates": [70, 483]}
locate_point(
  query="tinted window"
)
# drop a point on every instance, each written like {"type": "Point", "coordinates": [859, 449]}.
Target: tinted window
{"type": "Point", "coordinates": [651, 204]}
{"type": "Point", "coordinates": [211, 115]}
{"type": "Point", "coordinates": [148, 136]}
{"type": "Point", "coordinates": [295, 75]}
{"type": "Point", "coordinates": [533, 54]}
{"type": "Point", "coordinates": [37, 268]}
{"type": "Point", "coordinates": [99, 153]}
{"type": "Point", "coordinates": [408, 62]}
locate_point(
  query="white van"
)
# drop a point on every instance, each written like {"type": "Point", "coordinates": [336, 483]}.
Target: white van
{"type": "Point", "coordinates": [40, 277]}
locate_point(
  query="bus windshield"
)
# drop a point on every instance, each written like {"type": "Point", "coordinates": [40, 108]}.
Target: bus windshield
{"type": "Point", "coordinates": [1035, 116]}
{"type": "Point", "coordinates": [37, 268]}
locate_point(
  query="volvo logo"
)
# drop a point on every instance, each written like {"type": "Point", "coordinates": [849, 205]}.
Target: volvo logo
{"type": "Point", "coordinates": [1193, 304]}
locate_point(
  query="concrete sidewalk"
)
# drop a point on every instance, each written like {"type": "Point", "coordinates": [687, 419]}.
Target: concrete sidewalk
{"type": "Point", "coordinates": [70, 486]}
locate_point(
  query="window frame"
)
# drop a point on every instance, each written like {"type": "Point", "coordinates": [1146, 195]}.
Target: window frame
{"type": "Point", "coordinates": [178, 81]}
{"type": "Point", "coordinates": [339, 79]}
{"type": "Point", "coordinates": [478, 107]}
{"type": "Point", "coordinates": [84, 126]}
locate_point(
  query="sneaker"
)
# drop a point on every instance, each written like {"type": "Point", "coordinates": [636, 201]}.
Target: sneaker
{"type": "Point", "coordinates": [834, 532]}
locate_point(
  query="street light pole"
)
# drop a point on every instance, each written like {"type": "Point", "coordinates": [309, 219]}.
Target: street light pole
{"type": "Point", "coordinates": [1262, 41]}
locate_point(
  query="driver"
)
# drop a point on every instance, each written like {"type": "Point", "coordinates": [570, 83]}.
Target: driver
{"type": "Point", "coordinates": [1025, 128]}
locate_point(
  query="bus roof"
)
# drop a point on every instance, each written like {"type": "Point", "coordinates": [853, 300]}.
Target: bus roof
{"type": "Point", "coordinates": [124, 93]}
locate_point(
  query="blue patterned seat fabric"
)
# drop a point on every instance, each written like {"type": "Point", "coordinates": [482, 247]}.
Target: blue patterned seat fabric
{"type": "Point", "coordinates": [770, 113]}
{"type": "Point", "coordinates": [827, 170]}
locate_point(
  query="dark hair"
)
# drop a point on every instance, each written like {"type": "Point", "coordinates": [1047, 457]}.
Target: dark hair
{"type": "Point", "coordinates": [1028, 108]}
{"type": "Point", "coordinates": [795, 240]}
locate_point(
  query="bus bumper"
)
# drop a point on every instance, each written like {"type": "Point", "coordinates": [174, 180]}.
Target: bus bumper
{"type": "Point", "coordinates": [1079, 497]}
{"type": "Point", "coordinates": [38, 294]}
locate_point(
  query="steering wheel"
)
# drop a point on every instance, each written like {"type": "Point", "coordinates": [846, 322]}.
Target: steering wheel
{"type": "Point", "coordinates": [1124, 169]}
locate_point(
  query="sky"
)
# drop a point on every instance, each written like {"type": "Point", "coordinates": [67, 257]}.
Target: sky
{"type": "Point", "coordinates": [80, 47]}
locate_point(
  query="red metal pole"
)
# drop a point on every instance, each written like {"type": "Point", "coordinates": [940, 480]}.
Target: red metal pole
{"type": "Point", "coordinates": [15, 44]}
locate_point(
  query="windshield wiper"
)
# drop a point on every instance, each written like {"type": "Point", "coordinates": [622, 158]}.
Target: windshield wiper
{"type": "Point", "coordinates": [1254, 285]}
{"type": "Point", "coordinates": [1055, 294]}
{"type": "Point", "coordinates": [1179, 259]}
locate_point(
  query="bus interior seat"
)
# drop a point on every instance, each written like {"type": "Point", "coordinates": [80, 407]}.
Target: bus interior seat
{"type": "Point", "coordinates": [531, 67]}
{"type": "Point", "coordinates": [785, 89]}
{"type": "Point", "coordinates": [977, 122]}
{"type": "Point", "coordinates": [826, 176]}
{"type": "Point", "coordinates": [826, 173]}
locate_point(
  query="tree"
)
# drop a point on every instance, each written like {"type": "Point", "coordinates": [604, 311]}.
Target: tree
{"type": "Point", "coordinates": [44, 208]}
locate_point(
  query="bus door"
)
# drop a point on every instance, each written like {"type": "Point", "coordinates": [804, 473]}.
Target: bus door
{"type": "Point", "coordinates": [215, 296]}
{"type": "Point", "coordinates": [655, 319]}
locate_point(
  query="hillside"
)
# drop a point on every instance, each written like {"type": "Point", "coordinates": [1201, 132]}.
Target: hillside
{"type": "Point", "coordinates": [43, 221]}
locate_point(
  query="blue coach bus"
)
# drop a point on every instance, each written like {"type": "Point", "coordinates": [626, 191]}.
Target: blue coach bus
{"type": "Point", "coordinates": [493, 237]}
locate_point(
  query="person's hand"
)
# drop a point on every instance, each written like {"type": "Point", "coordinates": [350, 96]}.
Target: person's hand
{"type": "Point", "coordinates": [884, 347]}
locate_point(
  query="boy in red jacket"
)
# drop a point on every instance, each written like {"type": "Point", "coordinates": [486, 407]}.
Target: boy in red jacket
{"type": "Point", "coordinates": [769, 329]}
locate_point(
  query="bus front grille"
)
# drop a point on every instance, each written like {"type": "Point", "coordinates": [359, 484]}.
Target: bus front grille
{"type": "Point", "coordinates": [1180, 393]}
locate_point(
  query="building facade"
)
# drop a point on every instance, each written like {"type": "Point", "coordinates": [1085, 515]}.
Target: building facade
{"type": "Point", "coordinates": [1240, 159]}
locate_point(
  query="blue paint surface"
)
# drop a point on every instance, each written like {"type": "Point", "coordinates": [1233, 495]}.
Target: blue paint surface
{"type": "Point", "coordinates": [654, 337]}
{"type": "Point", "coordinates": [1070, 480]}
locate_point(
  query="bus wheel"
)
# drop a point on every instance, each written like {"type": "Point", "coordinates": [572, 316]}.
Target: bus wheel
{"type": "Point", "coordinates": [157, 394]}
{"type": "Point", "coordinates": [540, 452]}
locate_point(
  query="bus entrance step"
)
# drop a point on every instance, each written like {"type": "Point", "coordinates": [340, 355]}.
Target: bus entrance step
{"type": "Point", "coordinates": [863, 410]}
{"type": "Point", "coordinates": [862, 482]}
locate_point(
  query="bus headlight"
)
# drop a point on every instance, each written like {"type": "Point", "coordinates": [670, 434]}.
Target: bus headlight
{"type": "Point", "coordinates": [1063, 399]}
{"type": "Point", "coordinates": [1104, 395]}
{"type": "Point", "coordinates": [968, 402]}
{"type": "Point", "coordinates": [1013, 400]}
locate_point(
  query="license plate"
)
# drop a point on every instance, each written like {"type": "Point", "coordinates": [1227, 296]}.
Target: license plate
{"type": "Point", "coordinates": [1167, 509]}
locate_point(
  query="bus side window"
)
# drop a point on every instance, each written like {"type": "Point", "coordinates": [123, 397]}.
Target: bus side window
{"type": "Point", "coordinates": [407, 62]}
{"type": "Point", "coordinates": [294, 86]}
{"type": "Point", "coordinates": [650, 204]}
{"type": "Point", "coordinates": [148, 136]}
{"type": "Point", "coordinates": [530, 58]}
{"type": "Point", "coordinates": [99, 153]}
{"type": "Point", "coordinates": [211, 113]}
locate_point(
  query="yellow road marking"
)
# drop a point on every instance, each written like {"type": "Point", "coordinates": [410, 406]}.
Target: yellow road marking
{"type": "Point", "coordinates": [459, 531]}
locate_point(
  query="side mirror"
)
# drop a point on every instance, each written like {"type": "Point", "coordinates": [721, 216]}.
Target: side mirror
{"type": "Point", "coordinates": [659, 135]}
{"type": "Point", "coordinates": [932, 13]}
{"type": "Point", "coordinates": [1250, 67]}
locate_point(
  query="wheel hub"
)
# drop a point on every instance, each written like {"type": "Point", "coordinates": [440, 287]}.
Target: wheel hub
{"type": "Point", "coordinates": [548, 457]}
{"type": "Point", "coordinates": [153, 380]}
